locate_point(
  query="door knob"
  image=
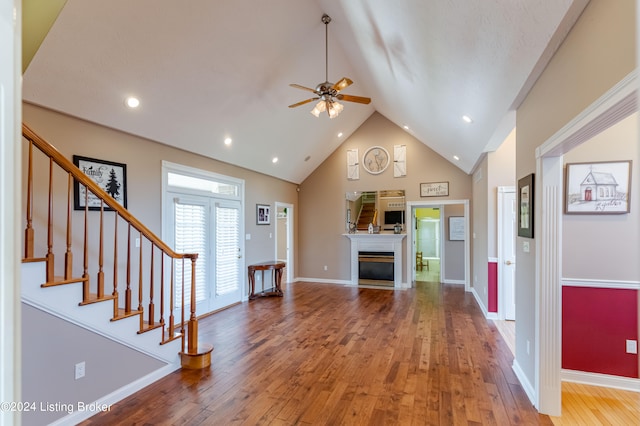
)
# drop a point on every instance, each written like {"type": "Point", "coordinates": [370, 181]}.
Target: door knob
{"type": "Point", "coordinates": [508, 262]}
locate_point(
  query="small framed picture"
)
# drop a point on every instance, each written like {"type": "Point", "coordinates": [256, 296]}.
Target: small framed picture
{"type": "Point", "coordinates": [525, 206]}
{"type": "Point", "coordinates": [109, 176]}
{"type": "Point", "coordinates": [456, 228]}
{"type": "Point", "coordinates": [263, 214]}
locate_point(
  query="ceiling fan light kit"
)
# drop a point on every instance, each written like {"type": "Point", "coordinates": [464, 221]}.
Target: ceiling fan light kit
{"type": "Point", "coordinates": [328, 93]}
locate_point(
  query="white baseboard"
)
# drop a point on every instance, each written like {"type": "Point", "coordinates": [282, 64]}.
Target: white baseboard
{"type": "Point", "coordinates": [445, 281]}
{"type": "Point", "coordinates": [402, 286]}
{"type": "Point", "coordinates": [526, 384]}
{"type": "Point", "coordinates": [105, 403]}
{"type": "Point", "coordinates": [603, 380]}
{"type": "Point", "coordinates": [323, 281]}
{"type": "Point", "coordinates": [483, 308]}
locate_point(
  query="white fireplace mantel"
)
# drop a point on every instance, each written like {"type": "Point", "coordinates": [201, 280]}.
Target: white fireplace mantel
{"type": "Point", "coordinates": [377, 242]}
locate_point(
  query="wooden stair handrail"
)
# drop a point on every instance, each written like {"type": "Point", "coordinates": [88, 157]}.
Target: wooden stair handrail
{"type": "Point", "coordinates": [69, 167]}
{"type": "Point", "coordinates": [196, 355]}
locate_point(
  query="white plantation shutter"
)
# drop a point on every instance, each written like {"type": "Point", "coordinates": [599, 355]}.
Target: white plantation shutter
{"type": "Point", "coordinates": [191, 237]}
{"type": "Point", "coordinates": [227, 249]}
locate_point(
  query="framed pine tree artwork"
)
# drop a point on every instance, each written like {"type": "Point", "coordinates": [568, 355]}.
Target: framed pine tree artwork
{"type": "Point", "coordinates": [108, 175]}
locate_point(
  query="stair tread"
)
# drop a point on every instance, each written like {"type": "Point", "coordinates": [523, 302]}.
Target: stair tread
{"type": "Point", "coordinates": [93, 298]}
{"type": "Point", "coordinates": [147, 327]}
{"type": "Point", "coordinates": [176, 336]}
{"type": "Point", "coordinates": [58, 280]}
{"type": "Point", "coordinates": [122, 314]}
{"type": "Point", "coordinates": [33, 259]}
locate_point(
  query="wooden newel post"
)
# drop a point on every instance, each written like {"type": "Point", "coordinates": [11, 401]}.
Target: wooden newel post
{"type": "Point", "coordinates": [192, 331]}
{"type": "Point", "coordinates": [198, 354]}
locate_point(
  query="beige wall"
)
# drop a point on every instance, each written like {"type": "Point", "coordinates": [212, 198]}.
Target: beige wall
{"type": "Point", "coordinates": [496, 169]}
{"type": "Point", "coordinates": [322, 195]}
{"type": "Point", "coordinates": [598, 52]}
{"type": "Point", "coordinates": [502, 172]}
{"type": "Point", "coordinates": [611, 241]}
{"type": "Point", "coordinates": [144, 181]}
{"type": "Point", "coordinates": [479, 236]}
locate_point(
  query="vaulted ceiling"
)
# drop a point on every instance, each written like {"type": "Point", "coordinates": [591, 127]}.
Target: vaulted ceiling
{"type": "Point", "coordinates": [209, 70]}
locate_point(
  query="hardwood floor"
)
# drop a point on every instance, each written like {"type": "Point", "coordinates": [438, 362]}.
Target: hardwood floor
{"type": "Point", "coordinates": [585, 404]}
{"type": "Point", "coordinates": [333, 355]}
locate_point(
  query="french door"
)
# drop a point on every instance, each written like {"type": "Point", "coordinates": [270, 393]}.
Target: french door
{"type": "Point", "coordinates": [203, 213]}
{"type": "Point", "coordinates": [211, 228]}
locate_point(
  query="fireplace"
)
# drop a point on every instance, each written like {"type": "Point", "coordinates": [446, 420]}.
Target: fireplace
{"type": "Point", "coordinates": [376, 267]}
{"type": "Point", "coordinates": [377, 256]}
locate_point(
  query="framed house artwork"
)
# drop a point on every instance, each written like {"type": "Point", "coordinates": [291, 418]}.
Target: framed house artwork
{"type": "Point", "coordinates": [525, 206]}
{"type": "Point", "coordinates": [110, 176]}
{"type": "Point", "coordinates": [263, 214]}
{"type": "Point", "coordinates": [597, 188]}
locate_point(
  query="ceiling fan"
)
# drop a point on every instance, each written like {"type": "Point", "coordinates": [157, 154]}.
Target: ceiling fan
{"type": "Point", "coordinates": [329, 93]}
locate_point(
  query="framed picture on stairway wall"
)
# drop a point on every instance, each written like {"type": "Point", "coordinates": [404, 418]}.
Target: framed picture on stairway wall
{"type": "Point", "coordinates": [111, 177]}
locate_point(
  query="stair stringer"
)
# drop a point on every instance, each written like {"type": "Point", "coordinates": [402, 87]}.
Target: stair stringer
{"type": "Point", "coordinates": [63, 301]}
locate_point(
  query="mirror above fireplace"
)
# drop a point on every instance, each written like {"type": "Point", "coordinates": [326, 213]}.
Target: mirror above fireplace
{"type": "Point", "coordinates": [385, 208]}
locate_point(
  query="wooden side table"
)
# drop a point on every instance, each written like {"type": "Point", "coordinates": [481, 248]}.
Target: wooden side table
{"type": "Point", "coordinates": [273, 265]}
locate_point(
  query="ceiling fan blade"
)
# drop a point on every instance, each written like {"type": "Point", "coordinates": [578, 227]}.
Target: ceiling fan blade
{"type": "Point", "coordinates": [297, 86]}
{"type": "Point", "coordinates": [302, 102]}
{"type": "Point", "coordinates": [342, 83]}
{"type": "Point", "coordinates": [351, 98]}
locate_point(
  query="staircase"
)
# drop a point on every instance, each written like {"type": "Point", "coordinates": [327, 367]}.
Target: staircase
{"type": "Point", "coordinates": [125, 283]}
{"type": "Point", "coordinates": [367, 215]}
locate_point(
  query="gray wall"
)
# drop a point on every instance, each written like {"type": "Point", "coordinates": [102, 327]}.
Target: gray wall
{"type": "Point", "coordinates": [453, 250]}
{"type": "Point", "coordinates": [50, 349]}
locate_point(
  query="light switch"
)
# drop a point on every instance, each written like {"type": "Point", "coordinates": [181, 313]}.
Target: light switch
{"type": "Point", "coordinates": [525, 246]}
{"type": "Point", "coordinates": [247, 237]}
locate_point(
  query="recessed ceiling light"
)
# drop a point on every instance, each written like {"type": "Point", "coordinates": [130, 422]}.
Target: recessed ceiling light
{"type": "Point", "coordinates": [227, 141]}
{"type": "Point", "coordinates": [274, 160]}
{"type": "Point", "coordinates": [467, 119]}
{"type": "Point", "coordinates": [133, 102]}
{"type": "Point", "coordinates": [455, 157]}
{"type": "Point", "coordinates": [406, 127]}
{"type": "Point", "coordinates": [340, 134]}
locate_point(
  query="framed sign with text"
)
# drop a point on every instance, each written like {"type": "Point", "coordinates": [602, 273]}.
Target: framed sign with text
{"type": "Point", "coordinates": [434, 189]}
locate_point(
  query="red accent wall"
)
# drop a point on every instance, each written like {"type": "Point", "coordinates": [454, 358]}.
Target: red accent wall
{"type": "Point", "coordinates": [493, 287]}
{"type": "Point", "coordinates": [596, 322]}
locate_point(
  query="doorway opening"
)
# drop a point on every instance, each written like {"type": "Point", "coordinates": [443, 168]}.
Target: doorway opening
{"type": "Point", "coordinates": [284, 238]}
{"type": "Point", "coordinates": [428, 243]}
{"type": "Point", "coordinates": [455, 252]}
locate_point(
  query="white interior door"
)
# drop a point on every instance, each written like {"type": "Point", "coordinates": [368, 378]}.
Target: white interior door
{"type": "Point", "coordinates": [507, 241]}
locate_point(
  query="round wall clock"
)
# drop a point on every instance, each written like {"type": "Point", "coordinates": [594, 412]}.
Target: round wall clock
{"type": "Point", "coordinates": [375, 160]}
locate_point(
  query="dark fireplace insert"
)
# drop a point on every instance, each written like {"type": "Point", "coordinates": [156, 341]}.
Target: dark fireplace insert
{"type": "Point", "coordinates": [376, 268]}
